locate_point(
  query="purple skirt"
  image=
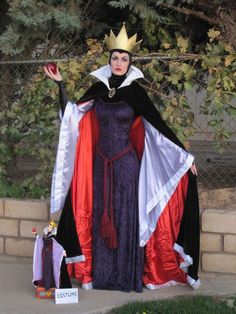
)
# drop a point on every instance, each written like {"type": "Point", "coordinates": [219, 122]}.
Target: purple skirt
{"type": "Point", "coordinates": [118, 268]}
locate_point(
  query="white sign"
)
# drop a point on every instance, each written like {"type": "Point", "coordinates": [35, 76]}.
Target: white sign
{"type": "Point", "coordinates": [66, 296]}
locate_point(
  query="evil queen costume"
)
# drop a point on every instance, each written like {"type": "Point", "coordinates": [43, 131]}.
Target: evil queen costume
{"type": "Point", "coordinates": [49, 267]}
{"type": "Point", "coordinates": [122, 177]}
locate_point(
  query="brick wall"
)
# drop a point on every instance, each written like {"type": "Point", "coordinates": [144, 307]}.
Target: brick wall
{"type": "Point", "coordinates": [218, 241]}
{"type": "Point", "coordinates": [17, 217]}
{"type": "Point", "coordinates": [218, 228]}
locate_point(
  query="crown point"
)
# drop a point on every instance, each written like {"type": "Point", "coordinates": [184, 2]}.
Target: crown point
{"type": "Point", "coordinates": [52, 223]}
{"type": "Point", "coordinates": [122, 41]}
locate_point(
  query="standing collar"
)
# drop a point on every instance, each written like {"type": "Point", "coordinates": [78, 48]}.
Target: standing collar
{"type": "Point", "coordinates": [104, 73]}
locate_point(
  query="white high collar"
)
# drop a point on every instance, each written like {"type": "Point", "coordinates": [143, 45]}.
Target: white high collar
{"type": "Point", "coordinates": [104, 73]}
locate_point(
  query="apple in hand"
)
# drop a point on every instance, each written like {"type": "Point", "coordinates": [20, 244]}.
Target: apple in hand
{"type": "Point", "coordinates": [33, 230]}
{"type": "Point", "coordinates": [51, 66]}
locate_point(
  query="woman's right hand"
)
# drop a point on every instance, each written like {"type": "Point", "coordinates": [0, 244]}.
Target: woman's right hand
{"type": "Point", "coordinates": [55, 77]}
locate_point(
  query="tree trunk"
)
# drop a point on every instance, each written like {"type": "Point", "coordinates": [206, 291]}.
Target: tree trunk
{"type": "Point", "coordinates": [225, 15]}
{"type": "Point", "coordinates": [228, 25]}
{"type": "Point", "coordinates": [222, 17]}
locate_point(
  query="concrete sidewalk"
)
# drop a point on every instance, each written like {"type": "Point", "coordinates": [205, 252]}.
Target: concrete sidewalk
{"type": "Point", "coordinates": [17, 294]}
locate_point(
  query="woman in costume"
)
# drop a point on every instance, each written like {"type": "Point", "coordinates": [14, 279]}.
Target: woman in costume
{"type": "Point", "coordinates": [125, 183]}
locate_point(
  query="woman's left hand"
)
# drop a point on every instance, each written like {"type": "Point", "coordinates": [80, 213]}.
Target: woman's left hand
{"type": "Point", "coordinates": [194, 169]}
{"type": "Point", "coordinates": [54, 76]}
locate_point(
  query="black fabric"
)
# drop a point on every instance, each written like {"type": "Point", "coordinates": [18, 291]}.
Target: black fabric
{"type": "Point", "coordinates": [120, 51]}
{"type": "Point", "coordinates": [138, 99]}
{"type": "Point", "coordinates": [47, 268]}
{"type": "Point", "coordinates": [65, 282]}
{"type": "Point", "coordinates": [62, 95]}
{"type": "Point", "coordinates": [66, 231]}
{"type": "Point", "coordinates": [189, 233]}
{"type": "Point", "coordinates": [116, 80]}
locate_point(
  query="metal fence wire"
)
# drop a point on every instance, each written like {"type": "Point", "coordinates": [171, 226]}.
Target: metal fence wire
{"type": "Point", "coordinates": [216, 170]}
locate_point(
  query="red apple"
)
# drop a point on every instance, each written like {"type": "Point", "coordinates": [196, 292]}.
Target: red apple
{"type": "Point", "coordinates": [51, 66]}
{"type": "Point", "coordinates": [34, 230]}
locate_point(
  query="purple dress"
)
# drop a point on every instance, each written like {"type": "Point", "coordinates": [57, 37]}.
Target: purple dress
{"type": "Point", "coordinates": [116, 172]}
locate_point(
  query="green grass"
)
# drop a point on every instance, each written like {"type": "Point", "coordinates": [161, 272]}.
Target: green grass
{"type": "Point", "coordinates": [181, 305]}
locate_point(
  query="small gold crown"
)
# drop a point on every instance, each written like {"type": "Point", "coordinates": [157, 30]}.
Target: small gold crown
{"type": "Point", "coordinates": [122, 41]}
{"type": "Point", "coordinates": [53, 224]}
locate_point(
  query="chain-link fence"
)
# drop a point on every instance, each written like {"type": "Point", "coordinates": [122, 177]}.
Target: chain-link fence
{"type": "Point", "coordinates": [216, 170]}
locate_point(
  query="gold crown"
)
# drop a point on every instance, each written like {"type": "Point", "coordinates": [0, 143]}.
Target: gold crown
{"type": "Point", "coordinates": [53, 224]}
{"type": "Point", "coordinates": [122, 41]}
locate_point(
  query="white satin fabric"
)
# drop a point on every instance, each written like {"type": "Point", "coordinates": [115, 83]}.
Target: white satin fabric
{"type": "Point", "coordinates": [195, 284]}
{"type": "Point", "coordinates": [163, 165]}
{"type": "Point", "coordinates": [75, 259]}
{"type": "Point", "coordinates": [187, 261]}
{"type": "Point", "coordinates": [64, 165]}
{"type": "Point", "coordinates": [103, 74]}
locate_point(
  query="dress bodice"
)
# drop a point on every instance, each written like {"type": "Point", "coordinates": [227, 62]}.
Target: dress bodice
{"type": "Point", "coordinates": [115, 121]}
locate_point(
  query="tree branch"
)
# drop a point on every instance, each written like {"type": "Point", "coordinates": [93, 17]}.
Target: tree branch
{"type": "Point", "coordinates": [199, 14]}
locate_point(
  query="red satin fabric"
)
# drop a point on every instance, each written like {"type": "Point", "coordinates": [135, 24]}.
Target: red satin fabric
{"type": "Point", "coordinates": [161, 262]}
{"type": "Point", "coordinates": [82, 194]}
{"type": "Point", "coordinates": [137, 134]}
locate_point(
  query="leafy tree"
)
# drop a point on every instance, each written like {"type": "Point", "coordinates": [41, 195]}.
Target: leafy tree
{"type": "Point", "coordinates": [59, 27]}
{"type": "Point", "coordinates": [35, 22]}
{"type": "Point", "coordinates": [181, 50]}
{"type": "Point", "coordinates": [54, 27]}
{"type": "Point", "coordinates": [3, 14]}
{"type": "Point", "coordinates": [194, 17]}
{"type": "Point", "coordinates": [33, 123]}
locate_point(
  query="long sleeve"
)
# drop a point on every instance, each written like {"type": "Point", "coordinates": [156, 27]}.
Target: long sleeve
{"type": "Point", "coordinates": [63, 98]}
{"type": "Point", "coordinates": [188, 236]}
{"type": "Point", "coordinates": [95, 91]}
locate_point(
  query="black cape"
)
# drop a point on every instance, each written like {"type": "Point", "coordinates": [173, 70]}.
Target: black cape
{"type": "Point", "coordinates": [135, 95]}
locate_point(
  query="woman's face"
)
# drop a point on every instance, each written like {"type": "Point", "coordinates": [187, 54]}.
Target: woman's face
{"type": "Point", "coordinates": [119, 62]}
